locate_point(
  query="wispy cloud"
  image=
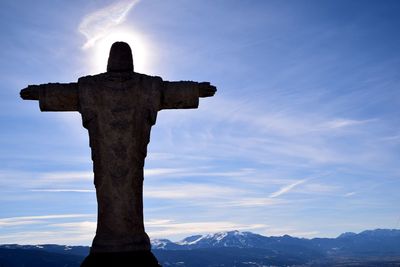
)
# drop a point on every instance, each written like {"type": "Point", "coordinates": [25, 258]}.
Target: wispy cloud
{"type": "Point", "coordinates": [67, 236]}
{"type": "Point", "coordinates": [318, 188]}
{"type": "Point", "coordinates": [392, 138]}
{"type": "Point", "coordinates": [64, 190]}
{"type": "Point", "coordinates": [163, 171]}
{"type": "Point", "coordinates": [67, 176]}
{"type": "Point", "coordinates": [96, 25]}
{"type": "Point", "coordinates": [197, 171]}
{"type": "Point", "coordinates": [285, 122]}
{"type": "Point", "coordinates": [17, 180]}
{"type": "Point", "coordinates": [190, 191]}
{"type": "Point", "coordinates": [341, 123]}
{"type": "Point", "coordinates": [287, 188]}
{"type": "Point", "coordinates": [44, 229]}
{"type": "Point", "coordinates": [82, 226]}
{"type": "Point", "coordinates": [272, 134]}
{"type": "Point", "coordinates": [13, 221]}
{"type": "Point", "coordinates": [349, 194]}
{"type": "Point", "coordinates": [256, 202]}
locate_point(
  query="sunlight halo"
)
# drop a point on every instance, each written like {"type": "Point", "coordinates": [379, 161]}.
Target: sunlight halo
{"type": "Point", "coordinates": [141, 50]}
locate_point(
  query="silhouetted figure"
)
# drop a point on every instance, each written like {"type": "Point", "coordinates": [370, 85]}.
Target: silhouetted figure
{"type": "Point", "coordinates": [118, 108]}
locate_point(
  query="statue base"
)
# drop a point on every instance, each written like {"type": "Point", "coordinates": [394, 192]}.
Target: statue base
{"type": "Point", "coordinates": [121, 259]}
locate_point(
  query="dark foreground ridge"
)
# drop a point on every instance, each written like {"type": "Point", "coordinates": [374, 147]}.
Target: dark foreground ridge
{"type": "Point", "coordinates": [379, 247]}
{"type": "Point", "coordinates": [121, 259]}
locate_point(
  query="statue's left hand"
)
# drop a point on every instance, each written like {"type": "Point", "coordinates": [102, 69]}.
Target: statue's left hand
{"type": "Point", "coordinates": [206, 89]}
{"type": "Point", "coordinates": [30, 93]}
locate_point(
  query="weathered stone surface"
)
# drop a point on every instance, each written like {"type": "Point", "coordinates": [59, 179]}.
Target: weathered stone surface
{"type": "Point", "coordinates": [118, 109]}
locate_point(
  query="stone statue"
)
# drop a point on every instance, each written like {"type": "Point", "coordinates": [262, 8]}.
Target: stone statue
{"type": "Point", "coordinates": [118, 108]}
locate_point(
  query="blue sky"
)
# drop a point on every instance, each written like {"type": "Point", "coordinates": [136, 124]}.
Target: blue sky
{"type": "Point", "coordinates": [302, 137]}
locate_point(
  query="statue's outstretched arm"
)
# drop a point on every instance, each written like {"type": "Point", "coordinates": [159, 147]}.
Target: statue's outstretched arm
{"type": "Point", "coordinates": [185, 94]}
{"type": "Point", "coordinates": [53, 96]}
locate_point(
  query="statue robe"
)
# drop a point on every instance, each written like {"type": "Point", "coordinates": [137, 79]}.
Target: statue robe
{"type": "Point", "coordinates": [118, 110]}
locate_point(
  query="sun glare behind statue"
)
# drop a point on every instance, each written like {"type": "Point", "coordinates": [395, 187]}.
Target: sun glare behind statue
{"type": "Point", "coordinates": [138, 44]}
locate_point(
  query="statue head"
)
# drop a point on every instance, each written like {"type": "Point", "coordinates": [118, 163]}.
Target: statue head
{"type": "Point", "coordinates": [120, 58]}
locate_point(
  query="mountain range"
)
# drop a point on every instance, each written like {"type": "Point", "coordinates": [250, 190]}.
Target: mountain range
{"type": "Point", "coordinates": [380, 247]}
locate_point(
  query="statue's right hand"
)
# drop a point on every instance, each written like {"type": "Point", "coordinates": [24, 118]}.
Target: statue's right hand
{"type": "Point", "coordinates": [206, 89]}
{"type": "Point", "coordinates": [30, 93]}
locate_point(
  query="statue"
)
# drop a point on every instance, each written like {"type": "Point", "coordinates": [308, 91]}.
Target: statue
{"type": "Point", "coordinates": [118, 108]}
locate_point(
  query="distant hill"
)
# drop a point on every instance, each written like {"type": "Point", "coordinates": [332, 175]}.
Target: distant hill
{"type": "Point", "coordinates": [380, 247]}
{"type": "Point", "coordinates": [20, 257]}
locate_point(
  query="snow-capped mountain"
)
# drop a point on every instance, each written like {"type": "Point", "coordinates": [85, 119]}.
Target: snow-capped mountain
{"type": "Point", "coordinates": [232, 239]}
{"type": "Point", "coordinates": [237, 239]}
{"type": "Point", "coordinates": [224, 239]}
{"type": "Point", "coordinates": [379, 247]}
{"type": "Point", "coordinates": [164, 244]}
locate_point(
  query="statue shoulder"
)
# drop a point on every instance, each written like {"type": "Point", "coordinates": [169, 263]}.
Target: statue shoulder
{"type": "Point", "coordinates": [145, 77]}
{"type": "Point", "coordinates": [108, 77]}
{"type": "Point", "coordinates": [92, 78]}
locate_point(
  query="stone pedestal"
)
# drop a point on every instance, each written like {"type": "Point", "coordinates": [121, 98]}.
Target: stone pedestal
{"type": "Point", "coordinates": [121, 259]}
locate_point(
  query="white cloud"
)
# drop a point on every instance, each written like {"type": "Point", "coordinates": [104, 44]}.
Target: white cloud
{"type": "Point", "coordinates": [59, 236]}
{"type": "Point", "coordinates": [190, 191]}
{"type": "Point", "coordinates": [83, 226]}
{"type": "Point", "coordinates": [284, 123]}
{"type": "Point", "coordinates": [286, 136]}
{"type": "Point", "coordinates": [35, 181]}
{"type": "Point", "coordinates": [287, 188]}
{"type": "Point", "coordinates": [24, 220]}
{"type": "Point", "coordinates": [45, 229]}
{"type": "Point", "coordinates": [391, 138]}
{"type": "Point", "coordinates": [350, 194]}
{"type": "Point", "coordinates": [254, 202]}
{"type": "Point", "coordinates": [341, 123]}
{"type": "Point", "coordinates": [66, 176]}
{"type": "Point", "coordinates": [64, 190]}
{"type": "Point", "coordinates": [162, 171]}
{"type": "Point", "coordinates": [239, 173]}
{"type": "Point", "coordinates": [98, 24]}
{"type": "Point", "coordinates": [199, 171]}
{"type": "Point", "coordinates": [318, 188]}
